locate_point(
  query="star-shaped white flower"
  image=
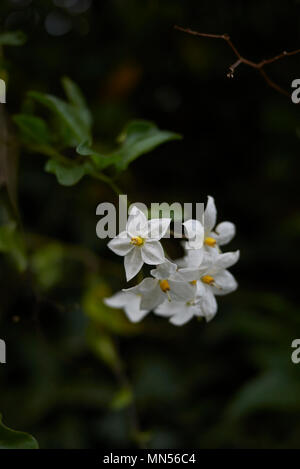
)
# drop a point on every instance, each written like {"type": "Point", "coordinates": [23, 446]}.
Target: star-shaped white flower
{"type": "Point", "coordinates": [166, 284]}
{"type": "Point", "coordinates": [139, 243]}
{"type": "Point", "coordinates": [216, 235]}
{"type": "Point", "coordinates": [212, 278]}
{"type": "Point", "coordinates": [129, 302]}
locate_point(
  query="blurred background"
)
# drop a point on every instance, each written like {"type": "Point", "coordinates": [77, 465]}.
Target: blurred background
{"type": "Point", "coordinates": [79, 375]}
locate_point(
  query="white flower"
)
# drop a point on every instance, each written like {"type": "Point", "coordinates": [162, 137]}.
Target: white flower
{"type": "Point", "coordinates": [181, 290]}
{"type": "Point", "coordinates": [180, 312]}
{"type": "Point", "coordinates": [195, 234]}
{"type": "Point", "coordinates": [139, 243]}
{"type": "Point", "coordinates": [216, 235]}
{"type": "Point", "coordinates": [166, 284]}
{"type": "Point", "coordinates": [212, 278]}
{"type": "Point", "coordinates": [129, 302]}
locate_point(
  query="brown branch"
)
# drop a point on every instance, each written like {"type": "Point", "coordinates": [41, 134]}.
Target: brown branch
{"type": "Point", "coordinates": [259, 66]}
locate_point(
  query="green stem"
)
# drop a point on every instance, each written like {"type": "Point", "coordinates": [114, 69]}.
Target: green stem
{"type": "Point", "coordinates": [108, 180]}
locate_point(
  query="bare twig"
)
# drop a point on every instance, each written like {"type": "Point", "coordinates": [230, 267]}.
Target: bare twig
{"type": "Point", "coordinates": [259, 66]}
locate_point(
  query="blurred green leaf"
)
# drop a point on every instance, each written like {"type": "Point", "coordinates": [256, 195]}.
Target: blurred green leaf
{"type": "Point", "coordinates": [122, 399]}
{"type": "Point", "coordinates": [73, 129]}
{"type": "Point", "coordinates": [77, 99]}
{"type": "Point", "coordinates": [33, 129]}
{"type": "Point", "coordinates": [47, 264]}
{"type": "Point", "coordinates": [66, 175]}
{"type": "Point", "coordinates": [69, 116]}
{"type": "Point", "coordinates": [12, 38]}
{"type": "Point", "coordinates": [273, 390]}
{"type": "Point", "coordinates": [138, 138]}
{"type": "Point", "coordinates": [101, 161]}
{"type": "Point", "coordinates": [11, 439]}
{"type": "Point", "coordinates": [12, 243]}
{"type": "Point", "coordinates": [103, 347]}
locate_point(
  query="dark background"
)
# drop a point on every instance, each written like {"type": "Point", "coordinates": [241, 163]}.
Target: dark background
{"type": "Point", "coordinates": [230, 383]}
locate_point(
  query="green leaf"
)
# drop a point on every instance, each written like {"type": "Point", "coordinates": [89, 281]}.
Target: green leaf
{"type": "Point", "coordinates": [11, 439]}
{"type": "Point", "coordinates": [12, 243]}
{"type": "Point", "coordinates": [69, 116]}
{"type": "Point", "coordinates": [47, 264]}
{"type": "Point", "coordinates": [103, 347]}
{"type": "Point", "coordinates": [33, 129]}
{"type": "Point", "coordinates": [66, 175]}
{"type": "Point", "coordinates": [12, 38]}
{"type": "Point", "coordinates": [139, 137]}
{"type": "Point", "coordinates": [101, 161]}
{"type": "Point", "coordinates": [274, 389]}
{"type": "Point", "coordinates": [122, 399]}
{"type": "Point", "coordinates": [77, 99]}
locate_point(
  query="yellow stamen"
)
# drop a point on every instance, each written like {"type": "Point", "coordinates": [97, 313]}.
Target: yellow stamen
{"type": "Point", "coordinates": [137, 241]}
{"type": "Point", "coordinates": [210, 242]}
{"type": "Point", "coordinates": [193, 282]}
{"type": "Point", "coordinates": [207, 279]}
{"type": "Point", "coordinates": [164, 285]}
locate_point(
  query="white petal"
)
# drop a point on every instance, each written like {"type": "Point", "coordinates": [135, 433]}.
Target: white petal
{"type": "Point", "coordinates": [137, 223]}
{"type": "Point", "coordinates": [200, 289]}
{"type": "Point", "coordinates": [194, 257]}
{"type": "Point", "coordinates": [120, 244]}
{"type": "Point", "coordinates": [129, 302]}
{"type": "Point", "coordinates": [225, 232]}
{"type": "Point", "coordinates": [152, 301]}
{"type": "Point", "coordinates": [181, 262]}
{"type": "Point", "coordinates": [158, 227]}
{"type": "Point", "coordinates": [150, 293]}
{"type": "Point", "coordinates": [153, 298]}
{"type": "Point", "coordinates": [223, 261]}
{"type": "Point", "coordinates": [153, 253]}
{"type": "Point", "coordinates": [116, 300]}
{"type": "Point", "coordinates": [133, 309]}
{"type": "Point", "coordinates": [225, 283]}
{"type": "Point", "coordinates": [210, 215]}
{"type": "Point", "coordinates": [189, 274]}
{"type": "Point", "coordinates": [165, 270]}
{"type": "Point", "coordinates": [195, 233]}
{"type": "Point", "coordinates": [135, 314]}
{"type": "Point", "coordinates": [209, 304]}
{"type": "Point", "coordinates": [142, 287]}
{"type": "Point", "coordinates": [181, 291]}
{"type": "Point", "coordinates": [183, 317]}
{"type": "Point", "coordinates": [133, 263]}
{"type": "Point", "coordinates": [209, 261]}
{"type": "Point", "coordinates": [169, 308]}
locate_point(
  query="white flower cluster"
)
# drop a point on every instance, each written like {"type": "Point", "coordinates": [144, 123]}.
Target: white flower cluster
{"type": "Point", "coordinates": [181, 289]}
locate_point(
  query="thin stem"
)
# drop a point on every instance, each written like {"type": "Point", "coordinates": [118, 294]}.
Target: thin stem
{"type": "Point", "coordinates": [256, 65]}
{"type": "Point", "coordinates": [108, 181]}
